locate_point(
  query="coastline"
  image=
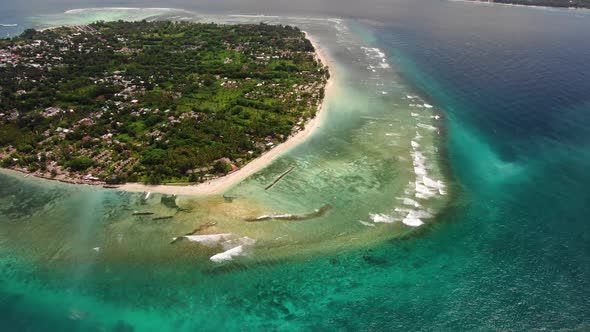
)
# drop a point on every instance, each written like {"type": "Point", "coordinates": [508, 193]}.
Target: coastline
{"type": "Point", "coordinates": [518, 5]}
{"type": "Point", "coordinates": [218, 185]}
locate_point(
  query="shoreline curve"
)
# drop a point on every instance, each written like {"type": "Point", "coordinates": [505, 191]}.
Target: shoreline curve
{"type": "Point", "coordinates": [221, 184]}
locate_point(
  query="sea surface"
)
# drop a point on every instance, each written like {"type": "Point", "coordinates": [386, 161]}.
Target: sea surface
{"type": "Point", "coordinates": [499, 238]}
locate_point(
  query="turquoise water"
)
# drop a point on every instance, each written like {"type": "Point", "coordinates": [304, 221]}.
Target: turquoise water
{"type": "Point", "coordinates": [509, 251]}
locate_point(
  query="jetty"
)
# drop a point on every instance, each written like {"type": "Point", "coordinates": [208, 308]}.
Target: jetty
{"type": "Point", "coordinates": [279, 178]}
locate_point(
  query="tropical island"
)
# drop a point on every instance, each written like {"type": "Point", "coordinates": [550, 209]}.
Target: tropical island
{"type": "Point", "coordinates": [542, 3]}
{"type": "Point", "coordinates": [153, 102]}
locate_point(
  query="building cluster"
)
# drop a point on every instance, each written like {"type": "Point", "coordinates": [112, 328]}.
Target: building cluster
{"type": "Point", "coordinates": [101, 127]}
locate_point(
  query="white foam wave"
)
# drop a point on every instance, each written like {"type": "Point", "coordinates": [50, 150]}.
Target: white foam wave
{"type": "Point", "coordinates": [82, 10]}
{"type": "Point", "coordinates": [373, 51]}
{"type": "Point", "coordinates": [381, 218]}
{"type": "Point", "coordinates": [424, 186]}
{"type": "Point", "coordinates": [438, 185]}
{"type": "Point", "coordinates": [414, 218]}
{"type": "Point", "coordinates": [208, 240]}
{"type": "Point", "coordinates": [423, 191]}
{"type": "Point", "coordinates": [420, 170]}
{"type": "Point", "coordinates": [425, 126]}
{"type": "Point", "coordinates": [231, 247]}
{"type": "Point", "coordinates": [427, 188]}
{"type": "Point", "coordinates": [261, 16]}
{"type": "Point", "coordinates": [366, 223]}
{"type": "Point", "coordinates": [243, 241]}
{"type": "Point", "coordinates": [227, 255]}
{"type": "Point", "coordinates": [418, 158]}
{"type": "Point", "coordinates": [411, 202]}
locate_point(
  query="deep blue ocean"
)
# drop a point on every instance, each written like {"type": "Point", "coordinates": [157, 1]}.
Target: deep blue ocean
{"type": "Point", "coordinates": [513, 252]}
{"type": "Point", "coordinates": [510, 253]}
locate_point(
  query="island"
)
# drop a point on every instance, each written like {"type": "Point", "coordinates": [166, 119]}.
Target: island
{"type": "Point", "coordinates": [153, 102]}
{"type": "Point", "coordinates": [542, 3]}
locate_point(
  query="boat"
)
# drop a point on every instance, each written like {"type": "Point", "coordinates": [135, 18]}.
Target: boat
{"type": "Point", "coordinates": [163, 218]}
{"type": "Point", "coordinates": [142, 213]}
{"type": "Point", "coordinates": [229, 198]}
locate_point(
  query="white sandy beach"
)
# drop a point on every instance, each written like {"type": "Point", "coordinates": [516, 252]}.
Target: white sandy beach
{"type": "Point", "coordinates": [221, 184]}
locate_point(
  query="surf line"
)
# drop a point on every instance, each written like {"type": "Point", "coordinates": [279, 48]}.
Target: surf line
{"type": "Point", "coordinates": [279, 178]}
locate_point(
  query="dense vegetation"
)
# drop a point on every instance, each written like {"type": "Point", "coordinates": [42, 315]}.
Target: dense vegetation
{"type": "Point", "coordinates": [547, 3]}
{"type": "Point", "coordinates": [152, 101]}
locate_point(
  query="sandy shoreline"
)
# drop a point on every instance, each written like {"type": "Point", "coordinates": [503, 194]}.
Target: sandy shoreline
{"type": "Point", "coordinates": [221, 184]}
